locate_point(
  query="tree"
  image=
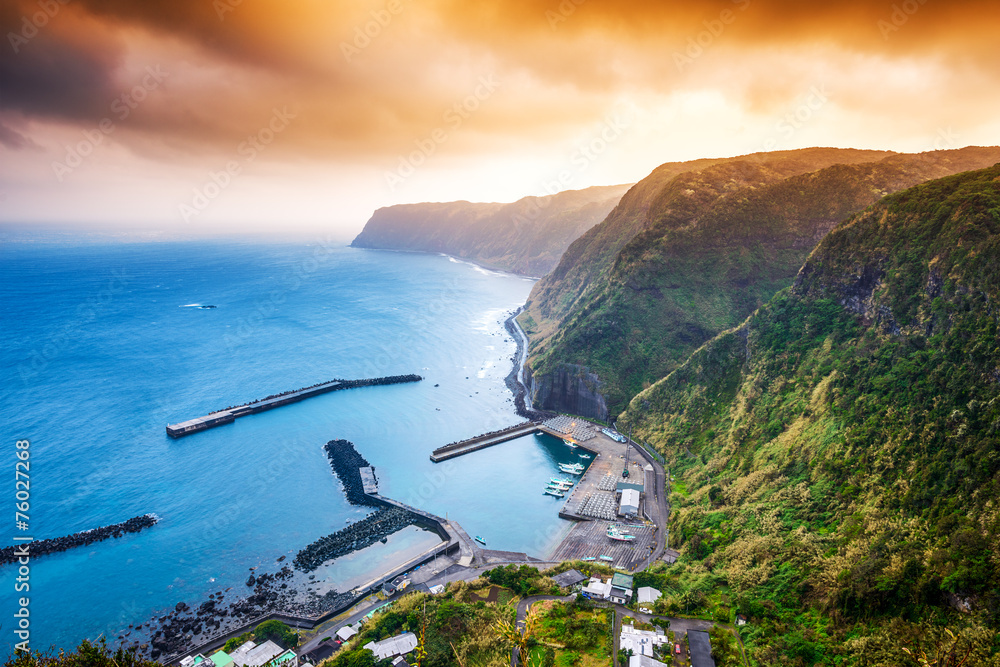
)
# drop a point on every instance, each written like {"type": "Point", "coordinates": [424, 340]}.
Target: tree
{"type": "Point", "coordinates": [277, 632]}
{"type": "Point", "coordinates": [88, 654]}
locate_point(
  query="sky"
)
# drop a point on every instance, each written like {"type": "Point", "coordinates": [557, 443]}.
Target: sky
{"type": "Point", "coordinates": [189, 117]}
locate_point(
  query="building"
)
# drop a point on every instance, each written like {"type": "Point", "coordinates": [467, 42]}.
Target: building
{"type": "Point", "coordinates": [645, 661]}
{"type": "Point", "coordinates": [647, 596]}
{"type": "Point", "coordinates": [323, 651]}
{"type": "Point", "coordinates": [640, 642]}
{"type": "Point", "coordinates": [629, 504]}
{"type": "Point", "coordinates": [248, 654]}
{"type": "Point", "coordinates": [569, 579]}
{"type": "Point", "coordinates": [346, 633]}
{"type": "Point", "coordinates": [621, 588]}
{"type": "Point", "coordinates": [596, 589]}
{"type": "Point", "coordinates": [393, 646]}
{"type": "Point", "coordinates": [700, 645]}
{"type": "Point", "coordinates": [624, 486]}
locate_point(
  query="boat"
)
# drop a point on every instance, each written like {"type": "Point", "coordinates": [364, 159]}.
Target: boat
{"type": "Point", "coordinates": [588, 559]}
{"type": "Point", "coordinates": [480, 540]}
{"type": "Point", "coordinates": [563, 487]}
{"type": "Point", "coordinates": [617, 534]}
{"type": "Point", "coordinates": [570, 471]}
{"type": "Point", "coordinates": [554, 492]}
{"type": "Point", "coordinates": [571, 467]}
{"type": "Point", "coordinates": [608, 558]}
{"type": "Point", "coordinates": [569, 443]}
{"type": "Point", "coordinates": [584, 456]}
{"type": "Point", "coordinates": [566, 482]}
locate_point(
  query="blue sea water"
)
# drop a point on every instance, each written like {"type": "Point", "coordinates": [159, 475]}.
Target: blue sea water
{"type": "Point", "coordinates": [104, 344]}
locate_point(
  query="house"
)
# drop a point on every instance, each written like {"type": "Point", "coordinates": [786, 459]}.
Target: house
{"type": "Point", "coordinates": [596, 589]}
{"type": "Point", "coordinates": [700, 645]}
{"type": "Point", "coordinates": [645, 661]}
{"type": "Point", "coordinates": [321, 652]}
{"type": "Point", "coordinates": [670, 556]}
{"type": "Point", "coordinates": [346, 633]}
{"type": "Point", "coordinates": [569, 579]}
{"type": "Point", "coordinates": [640, 642]}
{"type": "Point", "coordinates": [436, 590]}
{"type": "Point", "coordinates": [393, 646]}
{"type": "Point", "coordinates": [629, 505]}
{"type": "Point", "coordinates": [400, 662]}
{"type": "Point", "coordinates": [258, 655]}
{"type": "Point", "coordinates": [741, 619]}
{"type": "Point", "coordinates": [398, 584]}
{"type": "Point", "coordinates": [647, 597]}
{"type": "Point", "coordinates": [621, 588]}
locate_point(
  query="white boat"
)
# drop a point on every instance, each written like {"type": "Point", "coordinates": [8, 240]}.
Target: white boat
{"type": "Point", "coordinates": [584, 456]}
{"type": "Point", "coordinates": [608, 558]}
{"type": "Point", "coordinates": [617, 534]}
{"type": "Point", "coordinates": [554, 492]}
{"type": "Point", "coordinates": [564, 482]}
{"type": "Point", "coordinates": [569, 443]}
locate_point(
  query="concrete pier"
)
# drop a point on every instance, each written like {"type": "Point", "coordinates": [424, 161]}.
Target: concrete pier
{"type": "Point", "coordinates": [230, 415]}
{"type": "Point", "coordinates": [483, 441]}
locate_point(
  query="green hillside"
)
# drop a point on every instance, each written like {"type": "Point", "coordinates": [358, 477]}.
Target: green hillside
{"type": "Point", "coordinates": [837, 455]}
{"type": "Point", "coordinates": [687, 255]}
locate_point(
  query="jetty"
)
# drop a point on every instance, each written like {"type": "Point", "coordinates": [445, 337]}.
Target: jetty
{"type": "Point", "coordinates": [483, 441]}
{"type": "Point", "coordinates": [230, 415]}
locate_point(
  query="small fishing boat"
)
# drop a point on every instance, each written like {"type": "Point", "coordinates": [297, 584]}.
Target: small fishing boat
{"type": "Point", "coordinates": [616, 533]}
{"type": "Point", "coordinates": [608, 558]}
{"type": "Point", "coordinates": [588, 559]}
{"type": "Point", "coordinates": [563, 482]}
{"type": "Point", "coordinates": [554, 492]}
{"type": "Point", "coordinates": [569, 443]}
{"type": "Point", "coordinates": [584, 456]}
{"type": "Point", "coordinates": [480, 540]}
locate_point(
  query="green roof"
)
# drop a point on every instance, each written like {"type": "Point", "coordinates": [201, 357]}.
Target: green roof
{"type": "Point", "coordinates": [284, 657]}
{"type": "Point", "coordinates": [621, 580]}
{"type": "Point", "coordinates": [221, 659]}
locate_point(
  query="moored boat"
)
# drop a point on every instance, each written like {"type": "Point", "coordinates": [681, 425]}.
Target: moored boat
{"type": "Point", "coordinates": [554, 492]}
{"type": "Point", "coordinates": [480, 540]}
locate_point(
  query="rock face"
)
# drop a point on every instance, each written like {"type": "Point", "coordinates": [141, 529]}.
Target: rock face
{"type": "Point", "coordinates": [526, 237]}
{"type": "Point", "coordinates": [691, 251]}
{"type": "Point", "coordinates": [571, 389]}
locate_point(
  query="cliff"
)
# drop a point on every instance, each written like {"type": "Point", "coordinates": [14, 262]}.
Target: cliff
{"type": "Point", "coordinates": [691, 252]}
{"type": "Point", "coordinates": [526, 237]}
{"type": "Point", "coordinates": [837, 455]}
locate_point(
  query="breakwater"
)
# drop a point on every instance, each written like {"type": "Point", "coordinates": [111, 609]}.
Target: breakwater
{"type": "Point", "coordinates": [231, 414]}
{"type": "Point", "coordinates": [359, 535]}
{"type": "Point", "coordinates": [83, 538]}
{"type": "Point", "coordinates": [483, 441]}
{"type": "Point", "coordinates": [347, 465]}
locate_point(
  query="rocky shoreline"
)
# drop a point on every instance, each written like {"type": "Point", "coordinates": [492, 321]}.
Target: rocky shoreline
{"type": "Point", "coordinates": [364, 533]}
{"type": "Point", "coordinates": [81, 539]}
{"type": "Point", "coordinates": [513, 380]}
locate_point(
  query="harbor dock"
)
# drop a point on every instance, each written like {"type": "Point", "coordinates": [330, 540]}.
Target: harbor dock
{"type": "Point", "coordinates": [483, 441]}
{"type": "Point", "coordinates": [230, 415]}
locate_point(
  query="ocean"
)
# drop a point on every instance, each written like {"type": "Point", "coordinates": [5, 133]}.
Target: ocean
{"type": "Point", "coordinates": [106, 343]}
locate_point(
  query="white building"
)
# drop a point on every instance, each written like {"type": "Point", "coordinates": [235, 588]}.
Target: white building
{"type": "Point", "coordinates": [640, 642]}
{"type": "Point", "coordinates": [393, 646]}
{"type": "Point", "coordinates": [647, 597]}
{"type": "Point", "coordinates": [346, 633]}
{"type": "Point", "coordinates": [597, 589]}
{"type": "Point", "coordinates": [630, 503]}
{"type": "Point", "coordinates": [645, 661]}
